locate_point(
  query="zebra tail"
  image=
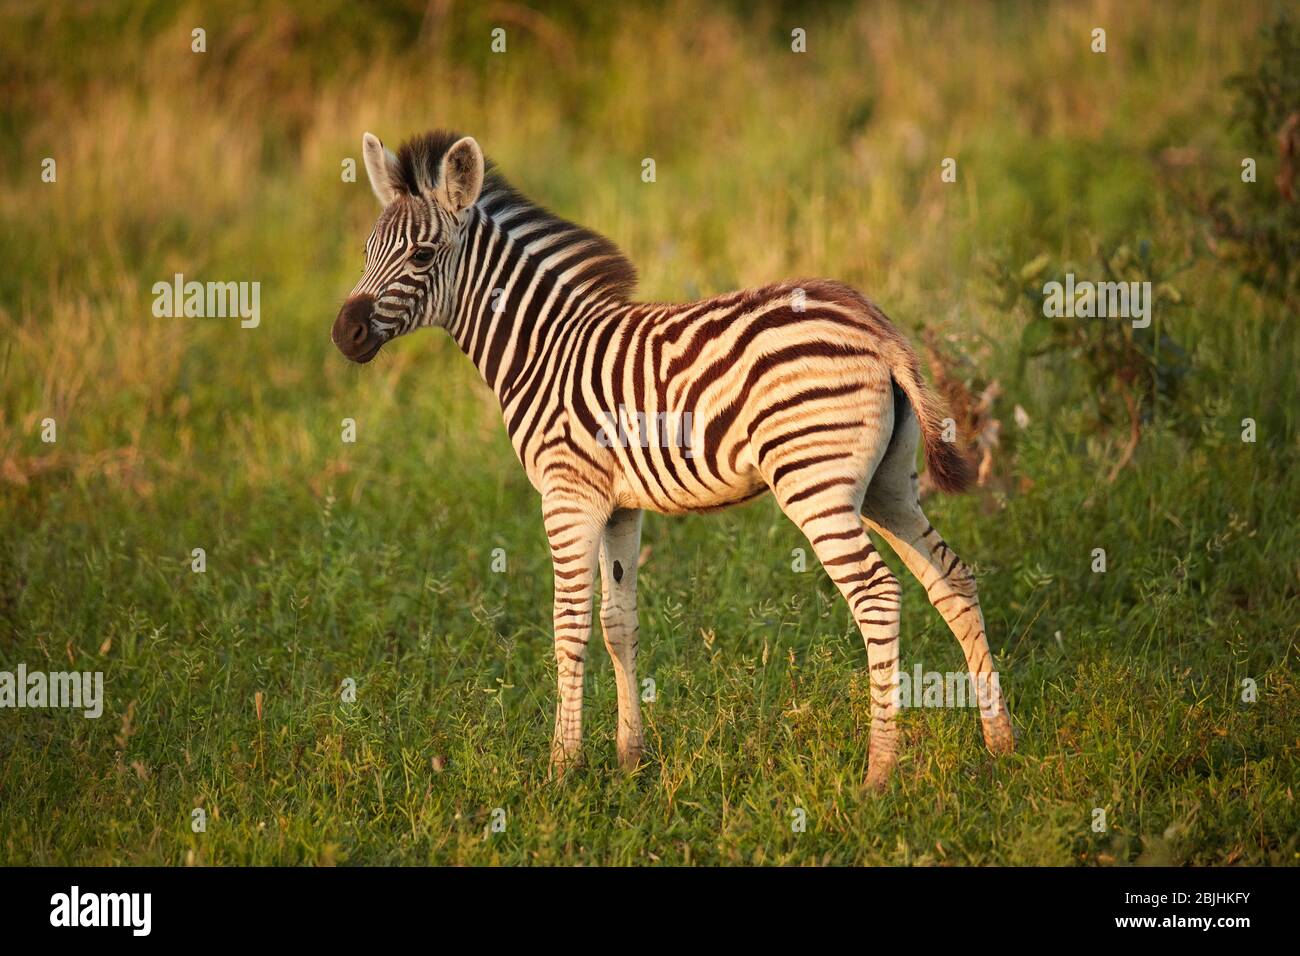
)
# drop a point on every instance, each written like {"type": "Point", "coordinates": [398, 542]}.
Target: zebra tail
{"type": "Point", "coordinates": [950, 470]}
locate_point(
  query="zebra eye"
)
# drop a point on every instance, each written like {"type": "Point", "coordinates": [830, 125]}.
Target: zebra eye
{"type": "Point", "coordinates": [422, 256]}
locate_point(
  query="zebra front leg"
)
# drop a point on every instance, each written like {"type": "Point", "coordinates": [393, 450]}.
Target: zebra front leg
{"type": "Point", "coordinates": [574, 533]}
{"type": "Point", "coordinates": [618, 622]}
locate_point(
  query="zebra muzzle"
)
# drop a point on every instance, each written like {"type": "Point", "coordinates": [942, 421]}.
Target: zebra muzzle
{"type": "Point", "coordinates": [352, 333]}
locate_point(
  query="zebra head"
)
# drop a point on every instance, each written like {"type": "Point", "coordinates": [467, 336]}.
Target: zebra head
{"type": "Point", "coordinates": [412, 253]}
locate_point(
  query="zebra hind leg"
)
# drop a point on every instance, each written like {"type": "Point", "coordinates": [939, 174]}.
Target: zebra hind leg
{"type": "Point", "coordinates": [892, 508]}
{"type": "Point", "coordinates": [950, 586]}
{"type": "Point", "coordinates": [875, 598]}
{"type": "Point", "coordinates": [828, 515]}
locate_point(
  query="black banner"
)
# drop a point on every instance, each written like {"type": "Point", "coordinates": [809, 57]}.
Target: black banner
{"type": "Point", "coordinates": [921, 905]}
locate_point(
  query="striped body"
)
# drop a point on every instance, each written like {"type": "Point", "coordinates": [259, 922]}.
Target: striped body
{"type": "Point", "coordinates": [658, 371]}
{"type": "Point", "coordinates": [614, 407]}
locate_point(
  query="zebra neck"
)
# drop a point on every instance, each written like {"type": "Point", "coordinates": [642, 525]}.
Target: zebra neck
{"type": "Point", "coordinates": [515, 295]}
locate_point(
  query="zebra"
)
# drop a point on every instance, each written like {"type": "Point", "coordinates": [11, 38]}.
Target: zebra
{"type": "Point", "coordinates": [804, 389]}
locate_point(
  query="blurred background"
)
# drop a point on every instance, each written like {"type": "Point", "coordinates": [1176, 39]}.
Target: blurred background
{"type": "Point", "coordinates": [370, 558]}
{"type": "Point", "coordinates": [226, 165]}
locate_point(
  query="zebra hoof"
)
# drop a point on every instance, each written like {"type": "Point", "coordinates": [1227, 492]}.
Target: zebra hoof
{"type": "Point", "coordinates": [629, 757]}
{"type": "Point", "coordinates": [999, 737]}
{"type": "Point", "coordinates": [878, 774]}
{"type": "Point", "coordinates": [562, 765]}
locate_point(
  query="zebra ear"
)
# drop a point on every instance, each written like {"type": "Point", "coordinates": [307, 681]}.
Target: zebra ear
{"type": "Point", "coordinates": [462, 175]}
{"type": "Point", "coordinates": [381, 166]}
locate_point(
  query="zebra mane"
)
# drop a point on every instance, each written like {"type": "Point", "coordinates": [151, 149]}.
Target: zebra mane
{"type": "Point", "coordinates": [419, 167]}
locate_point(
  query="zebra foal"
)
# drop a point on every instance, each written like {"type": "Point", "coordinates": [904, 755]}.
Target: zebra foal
{"type": "Point", "coordinates": [802, 389]}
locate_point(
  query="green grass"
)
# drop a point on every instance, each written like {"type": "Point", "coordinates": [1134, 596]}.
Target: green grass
{"type": "Point", "coordinates": [372, 561]}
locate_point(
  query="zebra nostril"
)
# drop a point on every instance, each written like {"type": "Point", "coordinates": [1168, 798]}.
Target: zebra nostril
{"type": "Point", "coordinates": [358, 334]}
